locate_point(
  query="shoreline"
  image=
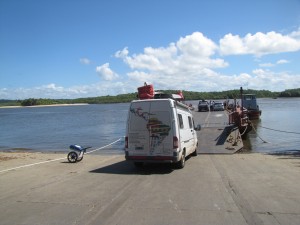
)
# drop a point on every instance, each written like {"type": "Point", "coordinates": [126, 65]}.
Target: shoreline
{"type": "Point", "coordinates": [39, 106]}
{"type": "Point", "coordinates": [295, 153]}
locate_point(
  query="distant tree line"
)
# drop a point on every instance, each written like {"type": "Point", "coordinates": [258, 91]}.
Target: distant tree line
{"type": "Point", "coordinates": [108, 99]}
{"type": "Point", "coordinates": [189, 95]}
{"type": "Point", "coordinates": [231, 94]}
{"type": "Point", "coordinates": [290, 93]}
{"type": "Point", "coordinates": [42, 101]}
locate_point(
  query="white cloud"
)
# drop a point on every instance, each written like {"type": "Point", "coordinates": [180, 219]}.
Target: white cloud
{"type": "Point", "coordinates": [178, 65]}
{"type": "Point", "coordinates": [276, 81]}
{"type": "Point", "coordinates": [152, 59]}
{"type": "Point", "coordinates": [196, 45]}
{"type": "Point", "coordinates": [266, 65]}
{"type": "Point", "coordinates": [205, 80]}
{"type": "Point", "coordinates": [192, 52]}
{"type": "Point", "coordinates": [232, 45]}
{"type": "Point", "coordinates": [191, 63]}
{"type": "Point", "coordinates": [295, 34]}
{"type": "Point", "coordinates": [85, 61]}
{"type": "Point", "coordinates": [260, 43]}
{"type": "Point", "coordinates": [106, 73]}
{"type": "Point", "coordinates": [122, 54]}
{"type": "Point", "coordinates": [56, 92]}
{"type": "Point", "coordinates": [282, 61]}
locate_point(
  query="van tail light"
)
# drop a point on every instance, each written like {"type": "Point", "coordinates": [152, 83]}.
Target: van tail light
{"type": "Point", "coordinates": [175, 142]}
{"type": "Point", "coordinates": [126, 142]}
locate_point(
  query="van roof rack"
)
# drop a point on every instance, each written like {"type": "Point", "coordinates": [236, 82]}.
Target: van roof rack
{"type": "Point", "coordinates": [171, 96]}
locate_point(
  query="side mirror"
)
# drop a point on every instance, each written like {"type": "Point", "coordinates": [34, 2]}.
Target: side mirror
{"type": "Point", "coordinates": [198, 127]}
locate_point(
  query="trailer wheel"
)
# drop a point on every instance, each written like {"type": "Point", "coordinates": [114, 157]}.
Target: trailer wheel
{"type": "Point", "coordinates": [72, 157]}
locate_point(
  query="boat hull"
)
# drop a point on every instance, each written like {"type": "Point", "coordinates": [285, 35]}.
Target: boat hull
{"type": "Point", "coordinates": [254, 114]}
{"type": "Point", "coordinates": [244, 130]}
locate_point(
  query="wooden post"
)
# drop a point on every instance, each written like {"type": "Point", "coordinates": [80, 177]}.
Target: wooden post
{"type": "Point", "coordinates": [241, 92]}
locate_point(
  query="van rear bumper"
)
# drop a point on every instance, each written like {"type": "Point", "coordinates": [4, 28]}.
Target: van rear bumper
{"type": "Point", "coordinates": [152, 158]}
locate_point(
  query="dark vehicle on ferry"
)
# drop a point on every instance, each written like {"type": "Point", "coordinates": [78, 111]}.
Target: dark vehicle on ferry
{"type": "Point", "coordinates": [218, 106]}
{"type": "Point", "coordinates": [203, 106]}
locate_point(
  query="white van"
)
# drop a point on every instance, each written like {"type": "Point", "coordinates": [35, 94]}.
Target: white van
{"type": "Point", "coordinates": [160, 130]}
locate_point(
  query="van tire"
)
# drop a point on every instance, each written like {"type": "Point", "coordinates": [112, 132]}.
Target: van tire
{"type": "Point", "coordinates": [181, 163]}
{"type": "Point", "coordinates": [139, 164]}
{"type": "Point", "coordinates": [195, 152]}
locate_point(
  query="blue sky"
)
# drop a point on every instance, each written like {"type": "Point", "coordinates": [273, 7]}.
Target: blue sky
{"type": "Point", "coordinates": [85, 48]}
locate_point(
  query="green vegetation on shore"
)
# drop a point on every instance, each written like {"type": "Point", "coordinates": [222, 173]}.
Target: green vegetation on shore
{"type": "Point", "coordinates": [189, 95]}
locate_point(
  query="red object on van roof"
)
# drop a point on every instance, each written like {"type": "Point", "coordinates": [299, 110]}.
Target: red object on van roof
{"type": "Point", "coordinates": [146, 92]}
{"type": "Point", "coordinates": [180, 94]}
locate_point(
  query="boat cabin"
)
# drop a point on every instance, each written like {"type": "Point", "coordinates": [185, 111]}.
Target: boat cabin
{"type": "Point", "coordinates": [249, 101]}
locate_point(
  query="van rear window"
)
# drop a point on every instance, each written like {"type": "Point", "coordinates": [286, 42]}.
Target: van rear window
{"type": "Point", "coordinates": [180, 121]}
{"type": "Point", "coordinates": [190, 122]}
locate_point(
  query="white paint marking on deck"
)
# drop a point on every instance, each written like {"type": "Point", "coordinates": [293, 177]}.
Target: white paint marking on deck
{"type": "Point", "coordinates": [219, 115]}
{"type": "Point", "coordinates": [33, 164]}
{"type": "Point", "coordinates": [53, 160]}
{"type": "Point", "coordinates": [206, 121]}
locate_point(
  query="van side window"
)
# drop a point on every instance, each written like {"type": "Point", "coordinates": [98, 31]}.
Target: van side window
{"type": "Point", "coordinates": [190, 122]}
{"type": "Point", "coordinates": [180, 121]}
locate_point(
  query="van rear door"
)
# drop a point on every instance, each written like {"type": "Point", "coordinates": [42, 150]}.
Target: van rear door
{"type": "Point", "coordinates": [149, 129]}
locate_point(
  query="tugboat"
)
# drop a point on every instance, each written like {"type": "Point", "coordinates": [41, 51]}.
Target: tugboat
{"type": "Point", "coordinates": [249, 102]}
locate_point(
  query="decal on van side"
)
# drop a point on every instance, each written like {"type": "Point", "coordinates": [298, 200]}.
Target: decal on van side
{"type": "Point", "coordinates": [157, 129]}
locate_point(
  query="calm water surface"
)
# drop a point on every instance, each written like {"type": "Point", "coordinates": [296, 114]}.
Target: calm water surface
{"type": "Point", "coordinates": [55, 128]}
{"type": "Point", "coordinates": [278, 128]}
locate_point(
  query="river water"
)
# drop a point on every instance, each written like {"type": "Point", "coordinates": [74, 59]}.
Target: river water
{"type": "Point", "coordinates": [55, 128]}
{"type": "Point", "coordinates": [278, 128]}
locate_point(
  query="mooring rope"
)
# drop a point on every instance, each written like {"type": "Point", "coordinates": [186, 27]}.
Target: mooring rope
{"type": "Point", "coordinates": [257, 134]}
{"type": "Point", "coordinates": [276, 130]}
{"type": "Point", "coordinates": [244, 131]}
{"type": "Point", "coordinates": [282, 131]}
{"type": "Point", "coordinates": [97, 149]}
